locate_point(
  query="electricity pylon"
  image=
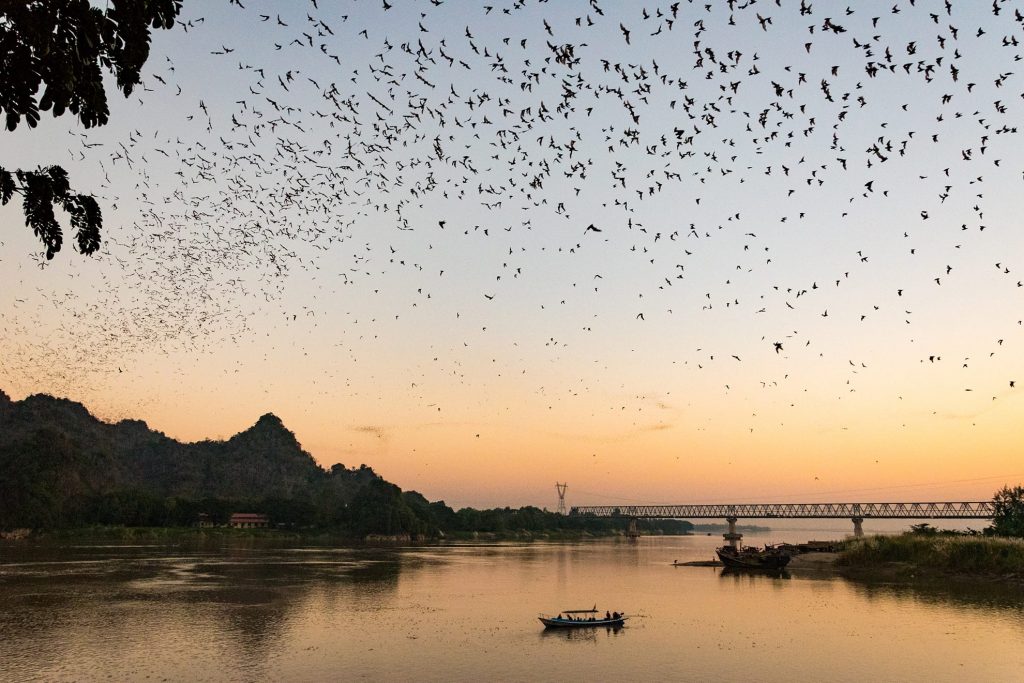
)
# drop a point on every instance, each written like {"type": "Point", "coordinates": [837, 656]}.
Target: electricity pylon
{"type": "Point", "coordinates": [561, 496]}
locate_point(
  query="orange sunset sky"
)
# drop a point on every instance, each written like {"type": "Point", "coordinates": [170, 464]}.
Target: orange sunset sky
{"type": "Point", "coordinates": [770, 279]}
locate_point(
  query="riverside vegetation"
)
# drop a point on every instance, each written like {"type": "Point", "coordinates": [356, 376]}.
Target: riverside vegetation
{"type": "Point", "coordinates": [911, 556]}
{"type": "Point", "coordinates": [64, 472]}
{"type": "Point", "coordinates": [926, 552]}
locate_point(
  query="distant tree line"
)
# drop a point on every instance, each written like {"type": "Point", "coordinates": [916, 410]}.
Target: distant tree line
{"type": "Point", "coordinates": [378, 508]}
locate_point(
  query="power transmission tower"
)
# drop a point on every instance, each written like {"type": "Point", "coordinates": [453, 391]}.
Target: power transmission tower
{"type": "Point", "coordinates": [561, 496]}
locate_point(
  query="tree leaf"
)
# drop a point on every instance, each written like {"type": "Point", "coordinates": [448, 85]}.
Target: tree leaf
{"type": "Point", "coordinates": [63, 47]}
{"type": "Point", "coordinates": [7, 186]}
{"type": "Point", "coordinates": [37, 205]}
{"type": "Point", "coordinates": [86, 219]}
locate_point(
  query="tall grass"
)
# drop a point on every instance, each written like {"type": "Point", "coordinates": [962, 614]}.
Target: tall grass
{"type": "Point", "coordinates": [938, 553]}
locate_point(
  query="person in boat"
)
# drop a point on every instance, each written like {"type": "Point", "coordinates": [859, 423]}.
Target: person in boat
{"type": "Point", "coordinates": [615, 615]}
{"type": "Point", "coordinates": [607, 616]}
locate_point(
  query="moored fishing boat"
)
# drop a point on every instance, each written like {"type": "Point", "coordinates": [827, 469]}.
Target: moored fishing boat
{"type": "Point", "coordinates": [582, 618]}
{"type": "Point", "coordinates": [768, 558]}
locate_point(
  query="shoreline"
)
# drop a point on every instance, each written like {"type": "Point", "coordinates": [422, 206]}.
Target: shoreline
{"type": "Point", "coordinates": [319, 536]}
{"type": "Point", "coordinates": [910, 559]}
{"type": "Point", "coordinates": [913, 559]}
{"type": "Point", "coordinates": [905, 559]}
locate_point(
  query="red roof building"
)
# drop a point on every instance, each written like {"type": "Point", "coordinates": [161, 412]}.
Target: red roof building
{"type": "Point", "coordinates": [249, 520]}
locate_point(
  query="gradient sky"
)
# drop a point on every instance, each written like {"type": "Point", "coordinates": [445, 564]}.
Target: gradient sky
{"type": "Point", "coordinates": [282, 250]}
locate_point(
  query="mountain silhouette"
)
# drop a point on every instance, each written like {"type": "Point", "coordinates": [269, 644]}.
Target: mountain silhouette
{"type": "Point", "coordinates": [54, 451]}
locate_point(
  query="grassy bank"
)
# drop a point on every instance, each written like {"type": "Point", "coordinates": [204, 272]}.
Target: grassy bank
{"type": "Point", "coordinates": [909, 556]}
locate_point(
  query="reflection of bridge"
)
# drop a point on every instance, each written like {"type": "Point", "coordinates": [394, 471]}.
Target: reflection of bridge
{"type": "Point", "coordinates": [856, 512]}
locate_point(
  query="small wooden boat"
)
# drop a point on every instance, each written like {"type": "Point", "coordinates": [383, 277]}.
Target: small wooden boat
{"type": "Point", "coordinates": [582, 618]}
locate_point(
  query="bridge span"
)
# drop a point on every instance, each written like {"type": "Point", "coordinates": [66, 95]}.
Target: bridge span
{"type": "Point", "coordinates": [855, 512]}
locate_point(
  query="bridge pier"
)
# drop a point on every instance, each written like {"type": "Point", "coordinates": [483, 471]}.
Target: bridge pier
{"type": "Point", "coordinates": [732, 538]}
{"type": "Point", "coordinates": [858, 526]}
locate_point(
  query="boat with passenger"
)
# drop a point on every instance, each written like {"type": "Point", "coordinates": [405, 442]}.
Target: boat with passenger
{"type": "Point", "coordinates": [583, 618]}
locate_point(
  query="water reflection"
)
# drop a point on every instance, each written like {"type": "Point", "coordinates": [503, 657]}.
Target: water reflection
{"type": "Point", "coordinates": [233, 602]}
{"type": "Point", "coordinates": [581, 635]}
{"type": "Point", "coordinates": [983, 593]}
{"type": "Point", "coordinates": [753, 575]}
{"type": "Point", "coordinates": [258, 612]}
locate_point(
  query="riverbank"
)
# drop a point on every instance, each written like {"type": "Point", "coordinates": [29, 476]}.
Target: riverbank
{"type": "Point", "coordinates": [813, 562]}
{"type": "Point", "coordinates": [915, 558]}
{"type": "Point", "coordinates": [314, 536]}
{"type": "Point", "coordinates": [174, 535]}
{"type": "Point", "coordinates": [911, 557]}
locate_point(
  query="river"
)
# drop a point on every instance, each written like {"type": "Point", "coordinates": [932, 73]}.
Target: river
{"type": "Point", "coordinates": [253, 612]}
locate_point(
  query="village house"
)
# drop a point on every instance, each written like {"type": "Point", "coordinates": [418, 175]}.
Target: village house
{"type": "Point", "coordinates": [249, 520]}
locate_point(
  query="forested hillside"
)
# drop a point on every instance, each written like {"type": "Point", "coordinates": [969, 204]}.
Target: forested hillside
{"type": "Point", "coordinates": [61, 467]}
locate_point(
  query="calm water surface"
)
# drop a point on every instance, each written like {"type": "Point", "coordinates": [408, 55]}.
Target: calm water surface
{"type": "Point", "coordinates": [246, 613]}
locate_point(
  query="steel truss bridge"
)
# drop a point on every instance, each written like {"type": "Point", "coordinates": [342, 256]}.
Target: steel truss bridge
{"type": "Point", "coordinates": [731, 512]}
{"type": "Point", "coordinates": [970, 510]}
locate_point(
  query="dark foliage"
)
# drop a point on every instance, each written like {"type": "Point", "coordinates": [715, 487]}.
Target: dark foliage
{"type": "Point", "coordinates": [533, 519]}
{"type": "Point", "coordinates": [43, 189]}
{"type": "Point", "coordinates": [1008, 516]}
{"type": "Point", "coordinates": [379, 508]}
{"type": "Point", "coordinates": [64, 47]}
